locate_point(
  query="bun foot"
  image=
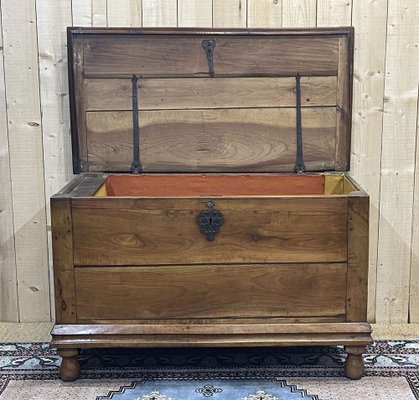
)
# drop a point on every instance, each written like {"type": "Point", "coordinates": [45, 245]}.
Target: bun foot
{"type": "Point", "coordinates": [70, 367]}
{"type": "Point", "coordinates": [354, 365]}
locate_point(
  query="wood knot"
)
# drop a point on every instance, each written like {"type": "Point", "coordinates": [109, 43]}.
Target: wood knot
{"type": "Point", "coordinates": [255, 237]}
{"type": "Point", "coordinates": [128, 240]}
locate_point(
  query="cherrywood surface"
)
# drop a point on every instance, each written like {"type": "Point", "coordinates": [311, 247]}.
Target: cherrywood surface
{"type": "Point", "coordinates": [68, 338]}
{"type": "Point", "coordinates": [77, 103]}
{"type": "Point", "coordinates": [97, 335]}
{"type": "Point", "coordinates": [358, 232]}
{"type": "Point", "coordinates": [70, 367]}
{"type": "Point", "coordinates": [62, 245]}
{"type": "Point", "coordinates": [344, 103]}
{"type": "Point", "coordinates": [176, 55]}
{"type": "Point", "coordinates": [231, 31]}
{"type": "Point", "coordinates": [211, 291]}
{"type": "Point", "coordinates": [322, 204]}
{"type": "Point", "coordinates": [217, 321]}
{"type": "Point", "coordinates": [88, 185]}
{"type": "Point", "coordinates": [354, 364]}
{"type": "Point", "coordinates": [169, 233]}
{"type": "Point", "coordinates": [190, 122]}
{"type": "Point", "coordinates": [229, 328]}
{"type": "Point", "coordinates": [204, 93]}
{"type": "Point", "coordinates": [212, 140]}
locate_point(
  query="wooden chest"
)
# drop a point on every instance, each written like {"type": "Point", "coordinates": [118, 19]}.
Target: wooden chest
{"type": "Point", "coordinates": [212, 206]}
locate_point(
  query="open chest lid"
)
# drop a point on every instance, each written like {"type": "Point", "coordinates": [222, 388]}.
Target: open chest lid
{"type": "Point", "coordinates": [194, 100]}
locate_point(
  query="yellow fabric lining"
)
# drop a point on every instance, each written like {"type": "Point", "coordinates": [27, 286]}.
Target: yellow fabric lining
{"type": "Point", "coordinates": [101, 192]}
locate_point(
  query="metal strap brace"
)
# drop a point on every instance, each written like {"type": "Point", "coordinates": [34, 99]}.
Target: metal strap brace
{"type": "Point", "coordinates": [299, 166]}
{"type": "Point", "coordinates": [136, 167]}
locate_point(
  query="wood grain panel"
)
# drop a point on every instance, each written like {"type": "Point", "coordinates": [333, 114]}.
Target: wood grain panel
{"type": "Point", "coordinates": [211, 291]}
{"type": "Point", "coordinates": [124, 13]}
{"type": "Point", "coordinates": [53, 63]}
{"type": "Point", "coordinates": [193, 13]}
{"type": "Point", "coordinates": [148, 55]}
{"type": "Point", "coordinates": [54, 94]}
{"type": "Point", "coordinates": [145, 55]}
{"type": "Point", "coordinates": [212, 140]}
{"type": "Point", "coordinates": [414, 279]}
{"type": "Point", "coordinates": [288, 204]}
{"type": "Point", "coordinates": [264, 13]}
{"type": "Point", "coordinates": [171, 235]}
{"type": "Point", "coordinates": [78, 108]}
{"type": "Point", "coordinates": [99, 13]}
{"type": "Point", "coordinates": [193, 93]}
{"type": "Point", "coordinates": [344, 100]}
{"type": "Point", "coordinates": [358, 231]}
{"type": "Point", "coordinates": [159, 12]}
{"type": "Point", "coordinates": [81, 11]}
{"type": "Point", "coordinates": [229, 13]}
{"type": "Point", "coordinates": [299, 13]}
{"type": "Point", "coordinates": [9, 310]}
{"type": "Point", "coordinates": [26, 159]}
{"type": "Point", "coordinates": [398, 162]}
{"type": "Point", "coordinates": [62, 242]}
{"type": "Point", "coordinates": [334, 12]}
{"type": "Point", "coordinates": [173, 324]}
{"type": "Point", "coordinates": [276, 55]}
{"type": "Point", "coordinates": [214, 334]}
{"type": "Point", "coordinates": [369, 20]}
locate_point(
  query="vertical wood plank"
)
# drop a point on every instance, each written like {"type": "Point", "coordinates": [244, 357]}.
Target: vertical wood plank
{"type": "Point", "coordinates": [99, 13]}
{"type": "Point", "coordinates": [81, 12]}
{"type": "Point", "coordinates": [264, 13]}
{"type": "Point", "coordinates": [343, 100]}
{"type": "Point", "coordinates": [62, 242]}
{"type": "Point", "coordinates": [398, 161]}
{"type": "Point", "coordinates": [414, 268]}
{"type": "Point", "coordinates": [159, 12]}
{"type": "Point", "coordinates": [369, 20]}
{"type": "Point", "coordinates": [229, 13]}
{"type": "Point", "coordinates": [334, 12]}
{"type": "Point", "coordinates": [124, 13]}
{"type": "Point", "coordinates": [53, 17]}
{"type": "Point", "coordinates": [357, 276]}
{"type": "Point", "coordinates": [8, 281]}
{"type": "Point", "coordinates": [26, 158]}
{"type": "Point", "coordinates": [195, 13]}
{"type": "Point", "coordinates": [298, 13]}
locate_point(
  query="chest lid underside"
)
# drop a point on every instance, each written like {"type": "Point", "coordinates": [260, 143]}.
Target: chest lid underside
{"type": "Point", "coordinates": [193, 100]}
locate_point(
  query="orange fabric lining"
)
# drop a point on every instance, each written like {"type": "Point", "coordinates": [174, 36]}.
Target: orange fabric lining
{"type": "Point", "coordinates": [210, 185]}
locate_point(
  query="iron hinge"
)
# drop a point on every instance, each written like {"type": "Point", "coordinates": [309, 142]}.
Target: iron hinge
{"type": "Point", "coordinates": [209, 45]}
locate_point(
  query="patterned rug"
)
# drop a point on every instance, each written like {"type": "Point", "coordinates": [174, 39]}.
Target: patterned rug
{"type": "Point", "coordinates": [30, 371]}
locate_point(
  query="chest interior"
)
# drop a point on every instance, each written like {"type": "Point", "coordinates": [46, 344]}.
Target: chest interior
{"type": "Point", "coordinates": [192, 185]}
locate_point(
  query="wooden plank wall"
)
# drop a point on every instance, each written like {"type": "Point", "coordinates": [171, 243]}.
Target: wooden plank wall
{"type": "Point", "coordinates": [35, 147]}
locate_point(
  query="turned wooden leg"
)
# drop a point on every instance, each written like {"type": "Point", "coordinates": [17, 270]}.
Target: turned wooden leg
{"type": "Point", "coordinates": [70, 367]}
{"type": "Point", "coordinates": [354, 365]}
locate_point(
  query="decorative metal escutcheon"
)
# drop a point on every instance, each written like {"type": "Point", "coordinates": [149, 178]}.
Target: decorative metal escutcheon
{"type": "Point", "coordinates": [210, 221]}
